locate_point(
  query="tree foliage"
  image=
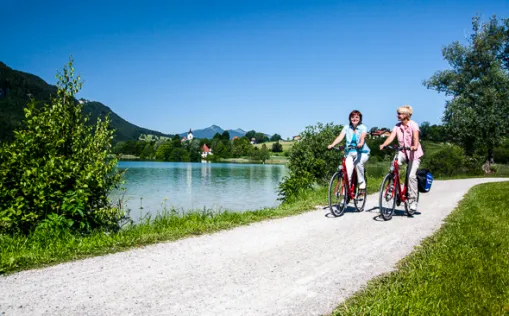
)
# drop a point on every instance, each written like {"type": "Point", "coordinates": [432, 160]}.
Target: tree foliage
{"type": "Point", "coordinates": [264, 153]}
{"type": "Point", "coordinates": [435, 133]}
{"type": "Point", "coordinates": [275, 138]}
{"type": "Point", "coordinates": [261, 138]}
{"type": "Point", "coordinates": [56, 171]}
{"type": "Point", "coordinates": [277, 147]}
{"type": "Point", "coordinates": [476, 116]}
{"type": "Point", "coordinates": [225, 135]}
{"type": "Point", "coordinates": [310, 162]}
{"type": "Point", "coordinates": [250, 134]}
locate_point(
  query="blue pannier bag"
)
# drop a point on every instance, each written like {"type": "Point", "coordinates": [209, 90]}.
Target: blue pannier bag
{"type": "Point", "coordinates": [424, 180]}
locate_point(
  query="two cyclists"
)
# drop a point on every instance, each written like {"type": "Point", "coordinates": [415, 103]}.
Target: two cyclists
{"type": "Point", "coordinates": [407, 132]}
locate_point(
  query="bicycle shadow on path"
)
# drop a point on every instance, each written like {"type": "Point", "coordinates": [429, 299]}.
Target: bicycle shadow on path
{"type": "Point", "coordinates": [349, 209]}
{"type": "Point", "coordinates": [397, 212]}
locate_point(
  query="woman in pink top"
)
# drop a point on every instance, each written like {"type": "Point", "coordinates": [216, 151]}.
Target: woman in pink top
{"type": "Point", "coordinates": [407, 132]}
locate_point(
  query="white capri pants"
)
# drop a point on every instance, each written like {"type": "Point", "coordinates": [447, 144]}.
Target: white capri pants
{"type": "Point", "coordinates": [411, 172]}
{"type": "Point", "coordinates": [354, 158]}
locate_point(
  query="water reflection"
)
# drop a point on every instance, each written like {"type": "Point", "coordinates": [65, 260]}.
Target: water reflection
{"type": "Point", "coordinates": [187, 186]}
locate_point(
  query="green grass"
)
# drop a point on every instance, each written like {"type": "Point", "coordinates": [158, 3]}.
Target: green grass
{"type": "Point", "coordinates": [286, 145]}
{"type": "Point", "coordinates": [47, 248]}
{"type": "Point", "coordinates": [460, 270]}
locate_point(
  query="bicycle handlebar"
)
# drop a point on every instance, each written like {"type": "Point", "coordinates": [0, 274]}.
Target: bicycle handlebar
{"type": "Point", "coordinates": [397, 148]}
{"type": "Point", "coordinates": [340, 148]}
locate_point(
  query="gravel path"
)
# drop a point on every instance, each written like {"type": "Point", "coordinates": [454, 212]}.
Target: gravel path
{"type": "Point", "coordinates": [300, 265]}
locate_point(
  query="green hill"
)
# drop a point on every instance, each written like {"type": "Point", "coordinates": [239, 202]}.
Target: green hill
{"type": "Point", "coordinates": [16, 89]}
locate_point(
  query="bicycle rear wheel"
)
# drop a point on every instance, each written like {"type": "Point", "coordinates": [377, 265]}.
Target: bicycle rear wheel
{"type": "Point", "coordinates": [360, 201]}
{"type": "Point", "coordinates": [387, 199]}
{"type": "Point", "coordinates": [336, 195]}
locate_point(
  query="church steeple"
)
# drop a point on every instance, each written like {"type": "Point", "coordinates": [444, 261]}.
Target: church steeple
{"type": "Point", "coordinates": [190, 135]}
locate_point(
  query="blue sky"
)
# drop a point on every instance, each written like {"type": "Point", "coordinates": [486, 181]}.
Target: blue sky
{"type": "Point", "coordinates": [272, 66]}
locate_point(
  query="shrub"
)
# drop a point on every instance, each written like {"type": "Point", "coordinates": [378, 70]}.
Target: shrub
{"type": "Point", "coordinates": [501, 154]}
{"type": "Point", "coordinates": [375, 153]}
{"type": "Point", "coordinates": [277, 147]}
{"type": "Point", "coordinates": [310, 162]}
{"type": "Point", "coordinates": [56, 170]}
{"type": "Point", "coordinates": [451, 161]}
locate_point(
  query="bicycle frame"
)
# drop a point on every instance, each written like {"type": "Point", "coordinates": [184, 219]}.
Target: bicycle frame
{"type": "Point", "coordinates": [342, 191]}
{"type": "Point", "coordinates": [350, 188]}
{"type": "Point", "coordinates": [394, 170]}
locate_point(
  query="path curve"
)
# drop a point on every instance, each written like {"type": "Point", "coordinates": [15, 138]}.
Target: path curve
{"type": "Point", "coordinates": [300, 265]}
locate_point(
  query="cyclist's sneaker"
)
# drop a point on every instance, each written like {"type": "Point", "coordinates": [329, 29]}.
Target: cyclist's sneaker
{"type": "Point", "coordinates": [413, 206]}
{"type": "Point", "coordinates": [362, 194]}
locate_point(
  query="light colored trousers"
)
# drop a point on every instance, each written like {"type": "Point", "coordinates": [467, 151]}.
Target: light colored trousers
{"type": "Point", "coordinates": [413, 165]}
{"type": "Point", "coordinates": [358, 160]}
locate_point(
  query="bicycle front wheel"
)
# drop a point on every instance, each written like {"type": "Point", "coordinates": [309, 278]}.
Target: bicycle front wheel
{"type": "Point", "coordinates": [387, 201]}
{"type": "Point", "coordinates": [337, 196]}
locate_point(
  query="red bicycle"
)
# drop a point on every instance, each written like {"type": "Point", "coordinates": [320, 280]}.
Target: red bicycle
{"type": "Point", "coordinates": [341, 192]}
{"type": "Point", "coordinates": [392, 192]}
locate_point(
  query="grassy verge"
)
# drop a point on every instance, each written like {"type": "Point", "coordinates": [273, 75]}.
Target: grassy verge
{"type": "Point", "coordinates": [460, 270]}
{"type": "Point", "coordinates": [48, 247]}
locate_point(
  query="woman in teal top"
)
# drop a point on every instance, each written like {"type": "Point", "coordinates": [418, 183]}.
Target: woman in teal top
{"type": "Point", "coordinates": [355, 133]}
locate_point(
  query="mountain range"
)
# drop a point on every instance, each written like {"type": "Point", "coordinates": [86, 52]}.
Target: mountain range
{"type": "Point", "coordinates": [17, 88]}
{"type": "Point", "coordinates": [209, 132]}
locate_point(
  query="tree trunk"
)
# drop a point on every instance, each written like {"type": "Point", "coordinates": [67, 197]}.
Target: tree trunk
{"type": "Point", "coordinates": [489, 161]}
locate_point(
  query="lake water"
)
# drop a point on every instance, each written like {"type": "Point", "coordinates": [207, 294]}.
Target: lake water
{"type": "Point", "coordinates": [191, 186]}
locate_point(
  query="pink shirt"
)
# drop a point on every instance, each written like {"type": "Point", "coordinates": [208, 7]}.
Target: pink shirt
{"type": "Point", "coordinates": [405, 138]}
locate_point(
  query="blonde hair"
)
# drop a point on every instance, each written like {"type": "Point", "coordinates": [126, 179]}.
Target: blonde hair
{"type": "Point", "coordinates": [407, 109]}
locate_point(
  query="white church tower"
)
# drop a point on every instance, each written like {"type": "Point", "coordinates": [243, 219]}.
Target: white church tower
{"type": "Point", "coordinates": [190, 135]}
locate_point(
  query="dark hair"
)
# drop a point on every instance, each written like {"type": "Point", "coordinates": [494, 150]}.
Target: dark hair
{"type": "Point", "coordinates": [355, 112]}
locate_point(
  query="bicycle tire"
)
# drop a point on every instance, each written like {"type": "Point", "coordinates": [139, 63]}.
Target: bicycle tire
{"type": "Point", "coordinates": [336, 195]}
{"type": "Point", "coordinates": [387, 198]}
{"type": "Point", "coordinates": [360, 206]}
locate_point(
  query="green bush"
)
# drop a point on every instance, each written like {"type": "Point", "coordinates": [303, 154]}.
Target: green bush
{"type": "Point", "coordinates": [310, 162]}
{"type": "Point", "coordinates": [501, 154]}
{"type": "Point", "coordinates": [375, 153]}
{"type": "Point", "coordinates": [56, 171]}
{"type": "Point", "coordinates": [451, 161]}
{"type": "Point", "coordinates": [277, 147]}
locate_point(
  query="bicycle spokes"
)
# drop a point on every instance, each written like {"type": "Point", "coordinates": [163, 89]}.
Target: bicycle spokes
{"type": "Point", "coordinates": [337, 198]}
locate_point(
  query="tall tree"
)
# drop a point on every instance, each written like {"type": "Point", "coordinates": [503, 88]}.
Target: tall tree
{"type": "Point", "coordinates": [477, 114]}
{"type": "Point", "coordinates": [264, 153]}
{"type": "Point", "coordinates": [275, 138]}
{"type": "Point", "coordinates": [163, 151]}
{"type": "Point", "coordinates": [250, 134]}
{"type": "Point", "coordinates": [225, 135]}
{"type": "Point", "coordinates": [261, 138]}
{"type": "Point", "coordinates": [425, 130]}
